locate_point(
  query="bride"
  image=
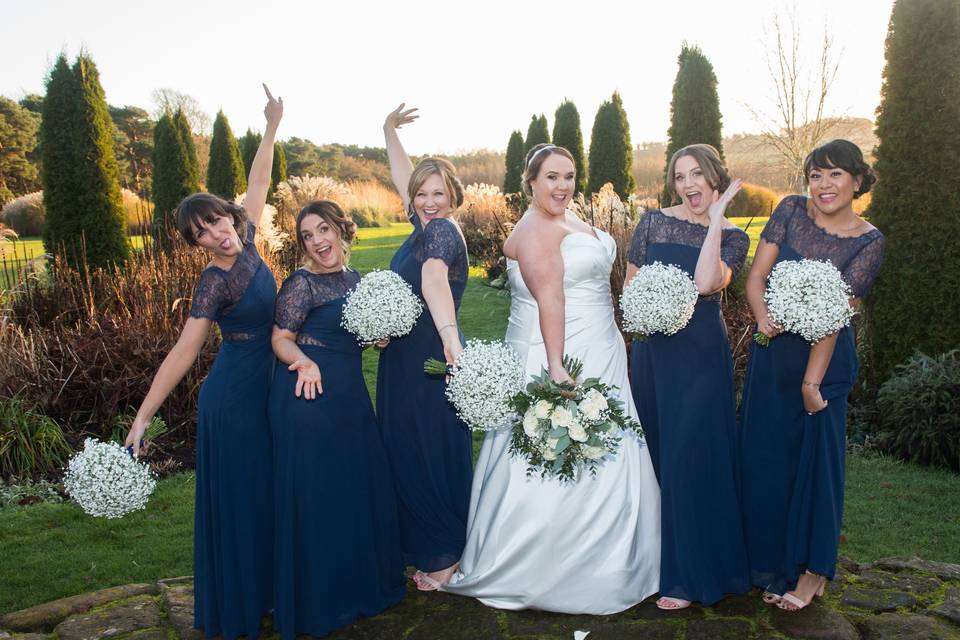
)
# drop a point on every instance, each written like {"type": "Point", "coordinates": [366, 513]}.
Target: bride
{"type": "Point", "coordinates": [590, 547]}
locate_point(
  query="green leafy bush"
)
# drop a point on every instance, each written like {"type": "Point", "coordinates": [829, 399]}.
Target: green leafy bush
{"type": "Point", "coordinates": [753, 201]}
{"type": "Point", "coordinates": [31, 444]}
{"type": "Point", "coordinates": [25, 214]}
{"type": "Point", "coordinates": [368, 216]}
{"type": "Point", "coordinates": [919, 410]}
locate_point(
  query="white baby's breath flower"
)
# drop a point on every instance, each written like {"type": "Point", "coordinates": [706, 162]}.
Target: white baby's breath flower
{"type": "Point", "coordinates": [808, 297]}
{"type": "Point", "coordinates": [542, 409]}
{"type": "Point", "coordinates": [486, 376]}
{"type": "Point", "coordinates": [381, 305]}
{"type": "Point", "coordinates": [660, 299]}
{"type": "Point", "coordinates": [106, 481]}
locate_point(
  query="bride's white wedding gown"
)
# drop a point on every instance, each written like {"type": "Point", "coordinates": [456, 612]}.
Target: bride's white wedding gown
{"type": "Point", "coordinates": [590, 547]}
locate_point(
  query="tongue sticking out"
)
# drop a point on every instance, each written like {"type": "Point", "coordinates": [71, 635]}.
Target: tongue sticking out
{"type": "Point", "coordinates": [695, 200]}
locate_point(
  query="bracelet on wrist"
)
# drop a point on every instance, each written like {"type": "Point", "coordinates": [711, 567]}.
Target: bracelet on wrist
{"type": "Point", "coordinates": [807, 383]}
{"type": "Point", "coordinates": [446, 326]}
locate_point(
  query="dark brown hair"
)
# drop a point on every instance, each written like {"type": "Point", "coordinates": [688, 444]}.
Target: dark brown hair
{"type": "Point", "coordinates": [332, 214]}
{"type": "Point", "coordinates": [841, 154]}
{"type": "Point", "coordinates": [206, 207]}
{"type": "Point", "coordinates": [709, 160]}
{"type": "Point", "coordinates": [535, 159]}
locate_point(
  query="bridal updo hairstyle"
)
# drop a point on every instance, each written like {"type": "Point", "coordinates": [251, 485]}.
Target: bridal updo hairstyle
{"type": "Point", "coordinates": [841, 154]}
{"type": "Point", "coordinates": [709, 160]}
{"type": "Point", "coordinates": [206, 207]}
{"type": "Point", "coordinates": [447, 172]}
{"type": "Point", "coordinates": [535, 159]}
{"type": "Point", "coordinates": [334, 216]}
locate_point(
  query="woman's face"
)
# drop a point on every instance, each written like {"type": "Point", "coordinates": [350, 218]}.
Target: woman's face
{"type": "Point", "coordinates": [691, 185]}
{"type": "Point", "coordinates": [218, 237]}
{"type": "Point", "coordinates": [322, 243]}
{"type": "Point", "coordinates": [554, 185]}
{"type": "Point", "coordinates": [432, 200]}
{"type": "Point", "coordinates": [832, 189]}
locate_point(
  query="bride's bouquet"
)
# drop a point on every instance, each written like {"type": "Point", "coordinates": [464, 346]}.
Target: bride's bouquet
{"type": "Point", "coordinates": [563, 429]}
{"type": "Point", "coordinates": [107, 481]}
{"type": "Point", "coordinates": [660, 299]}
{"type": "Point", "coordinates": [382, 305]}
{"type": "Point", "coordinates": [807, 297]}
{"type": "Point", "coordinates": [484, 378]}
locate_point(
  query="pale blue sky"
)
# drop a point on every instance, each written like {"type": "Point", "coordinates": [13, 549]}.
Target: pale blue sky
{"type": "Point", "coordinates": [476, 73]}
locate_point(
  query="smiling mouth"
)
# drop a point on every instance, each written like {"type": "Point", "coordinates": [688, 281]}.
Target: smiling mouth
{"type": "Point", "coordinates": [827, 197]}
{"type": "Point", "coordinates": [323, 252]}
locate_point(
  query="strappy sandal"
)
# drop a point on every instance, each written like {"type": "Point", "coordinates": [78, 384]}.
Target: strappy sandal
{"type": "Point", "coordinates": [795, 602]}
{"type": "Point", "coordinates": [425, 583]}
{"type": "Point", "coordinates": [666, 603]}
{"type": "Point", "coordinates": [771, 598]}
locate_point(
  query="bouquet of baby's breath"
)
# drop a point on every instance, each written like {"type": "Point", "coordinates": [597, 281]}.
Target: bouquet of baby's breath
{"type": "Point", "coordinates": [484, 378]}
{"type": "Point", "coordinates": [107, 481]}
{"type": "Point", "coordinates": [660, 299]}
{"type": "Point", "coordinates": [563, 428]}
{"type": "Point", "coordinates": [807, 297]}
{"type": "Point", "coordinates": [382, 305]}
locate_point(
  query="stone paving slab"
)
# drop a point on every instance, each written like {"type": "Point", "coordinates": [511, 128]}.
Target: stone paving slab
{"type": "Point", "coordinates": [44, 617]}
{"type": "Point", "coordinates": [891, 598]}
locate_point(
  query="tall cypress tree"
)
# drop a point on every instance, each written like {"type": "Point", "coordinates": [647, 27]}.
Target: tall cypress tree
{"type": "Point", "coordinates": [189, 153]}
{"type": "Point", "coordinates": [225, 176]}
{"type": "Point", "coordinates": [278, 173]}
{"type": "Point", "coordinates": [85, 223]}
{"type": "Point", "coordinates": [514, 164]}
{"type": "Point", "coordinates": [58, 158]}
{"type": "Point", "coordinates": [537, 132]}
{"type": "Point", "coordinates": [249, 144]}
{"type": "Point", "coordinates": [917, 197]}
{"type": "Point", "coordinates": [174, 174]}
{"type": "Point", "coordinates": [695, 107]}
{"type": "Point", "coordinates": [611, 154]}
{"type": "Point", "coordinates": [567, 134]}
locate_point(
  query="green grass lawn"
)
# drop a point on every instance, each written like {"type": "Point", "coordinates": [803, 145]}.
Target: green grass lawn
{"type": "Point", "coordinates": [53, 550]}
{"type": "Point", "coordinates": [18, 252]}
{"type": "Point", "coordinates": [753, 227]}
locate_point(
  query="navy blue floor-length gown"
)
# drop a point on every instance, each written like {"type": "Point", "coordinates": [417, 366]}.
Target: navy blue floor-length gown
{"type": "Point", "coordinates": [428, 445]}
{"type": "Point", "coordinates": [337, 538]}
{"type": "Point", "coordinates": [683, 388]}
{"type": "Point", "coordinates": [233, 519]}
{"type": "Point", "coordinates": [793, 463]}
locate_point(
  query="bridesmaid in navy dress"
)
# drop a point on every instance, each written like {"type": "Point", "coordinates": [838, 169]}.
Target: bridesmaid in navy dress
{"type": "Point", "coordinates": [683, 387]}
{"type": "Point", "coordinates": [233, 520]}
{"type": "Point", "coordinates": [337, 537]}
{"type": "Point", "coordinates": [793, 433]}
{"type": "Point", "coordinates": [428, 446]}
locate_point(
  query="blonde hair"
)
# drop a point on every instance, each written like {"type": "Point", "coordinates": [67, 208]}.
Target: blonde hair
{"type": "Point", "coordinates": [447, 172]}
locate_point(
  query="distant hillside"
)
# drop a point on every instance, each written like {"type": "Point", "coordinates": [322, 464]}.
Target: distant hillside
{"type": "Point", "coordinates": [748, 156]}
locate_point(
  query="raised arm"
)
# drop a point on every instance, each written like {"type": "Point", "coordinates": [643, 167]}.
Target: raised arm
{"type": "Point", "coordinates": [400, 166]}
{"type": "Point", "coordinates": [711, 274]}
{"type": "Point", "coordinates": [258, 182]}
{"type": "Point", "coordinates": [181, 357]}
{"type": "Point", "coordinates": [541, 267]}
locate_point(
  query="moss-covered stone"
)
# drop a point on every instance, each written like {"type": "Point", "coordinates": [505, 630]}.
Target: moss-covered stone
{"type": "Point", "coordinates": [890, 626]}
{"type": "Point", "coordinates": [44, 617]}
{"type": "Point", "coordinates": [878, 601]}
{"type": "Point", "coordinates": [125, 617]}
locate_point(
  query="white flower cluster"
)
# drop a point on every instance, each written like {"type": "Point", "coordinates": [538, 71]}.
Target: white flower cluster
{"type": "Point", "coordinates": [579, 430]}
{"type": "Point", "coordinates": [808, 297]}
{"type": "Point", "coordinates": [660, 299]}
{"type": "Point", "coordinates": [381, 305]}
{"type": "Point", "coordinates": [484, 379]}
{"type": "Point", "coordinates": [106, 481]}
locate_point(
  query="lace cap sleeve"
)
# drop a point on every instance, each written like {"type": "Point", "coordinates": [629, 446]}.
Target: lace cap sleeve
{"type": "Point", "coordinates": [251, 231]}
{"type": "Point", "coordinates": [442, 240]}
{"type": "Point", "coordinates": [776, 229]}
{"type": "Point", "coordinates": [211, 295]}
{"type": "Point", "coordinates": [862, 269]}
{"type": "Point", "coordinates": [734, 246]}
{"type": "Point", "coordinates": [294, 302]}
{"type": "Point", "coordinates": [637, 255]}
